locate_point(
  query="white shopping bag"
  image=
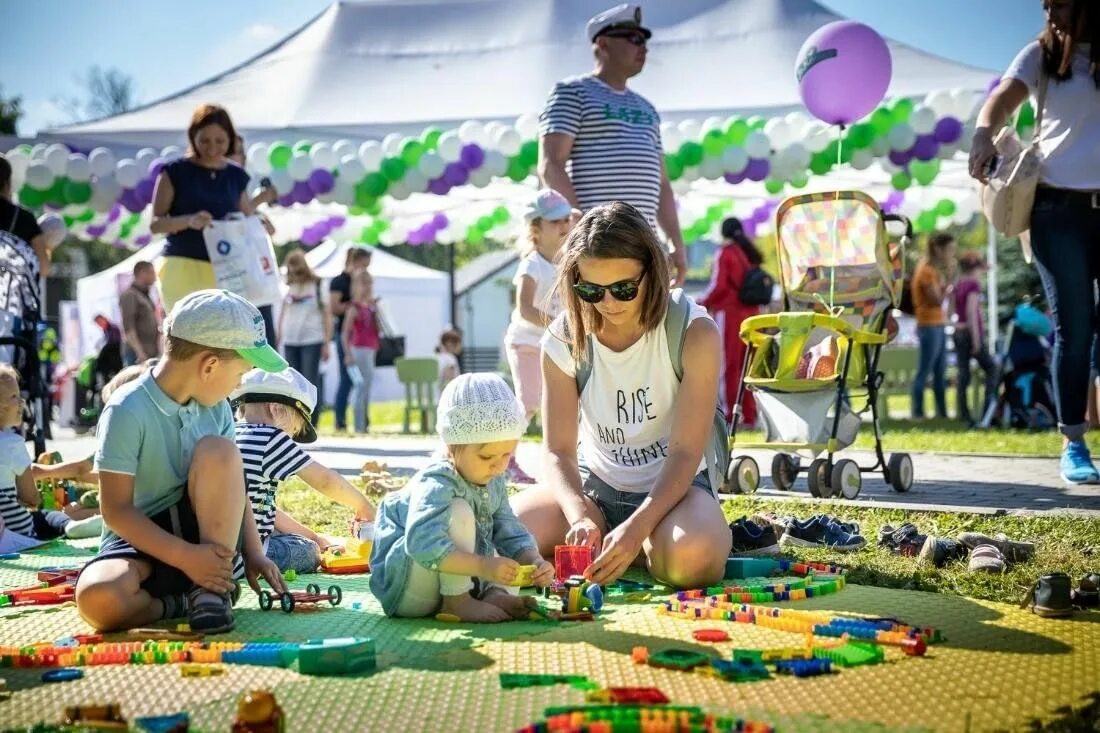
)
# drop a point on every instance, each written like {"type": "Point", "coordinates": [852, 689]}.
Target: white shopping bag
{"type": "Point", "coordinates": [243, 258]}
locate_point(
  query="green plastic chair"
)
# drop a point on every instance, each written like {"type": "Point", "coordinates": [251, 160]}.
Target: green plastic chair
{"type": "Point", "coordinates": [420, 376]}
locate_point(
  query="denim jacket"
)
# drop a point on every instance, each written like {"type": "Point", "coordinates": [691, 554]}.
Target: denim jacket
{"type": "Point", "coordinates": [413, 523]}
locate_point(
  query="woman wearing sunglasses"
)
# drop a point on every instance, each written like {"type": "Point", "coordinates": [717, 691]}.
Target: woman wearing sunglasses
{"type": "Point", "coordinates": [635, 489]}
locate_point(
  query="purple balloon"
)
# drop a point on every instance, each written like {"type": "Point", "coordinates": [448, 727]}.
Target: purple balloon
{"type": "Point", "coordinates": [925, 148]}
{"type": "Point", "coordinates": [900, 157]}
{"type": "Point", "coordinates": [96, 230]}
{"type": "Point", "coordinates": [130, 200]}
{"type": "Point", "coordinates": [143, 240]}
{"type": "Point", "coordinates": [156, 166]}
{"type": "Point", "coordinates": [757, 169]}
{"type": "Point", "coordinates": [472, 156]}
{"type": "Point", "coordinates": [114, 213]}
{"type": "Point", "coordinates": [750, 228]}
{"type": "Point", "coordinates": [321, 181]}
{"type": "Point", "coordinates": [993, 84]}
{"type": "Point", "coordinates": [734, 178]}
{"type": "Point", "coordinates": [438, 186]}
{"type": "Point", "coordinates": [455, 174]}
{"type": "Point", "coordinates": [286, 200]}
{"type": "Point", "coordinates": [144, 189]}
{"type": "Point", "coordinates": [948, 130]}
{"type": "Point", "coordinates": [440, 221]}
{"type": "Point", "coordinates": [337, 221]}
{"type": "Point", "coordinates": [301, 192]}
{"type": "Point", "coordinates": [843, 70]}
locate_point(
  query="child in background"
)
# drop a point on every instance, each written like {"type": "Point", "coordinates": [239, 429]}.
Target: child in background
{"type": "Point", "coordinates": [969, 337]}
{"type": "Point", "coordinates": [360, 336]}
{"type": "Point", "coordinates": [437, 540]}
{"type": "Point", "coordinates": [274, 411]}
{"type": "Point", "coordinates": [19, 495]}
{"type": "Point", "coordinates": [172, 480]}
{"type": "Point", "coordinates": [450, 346]}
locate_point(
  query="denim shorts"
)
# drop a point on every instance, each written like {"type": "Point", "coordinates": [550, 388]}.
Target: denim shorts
{"type": "Point", "coordinates": [293, 552]}
{"type": "Point", "coordinates": [617, 506]}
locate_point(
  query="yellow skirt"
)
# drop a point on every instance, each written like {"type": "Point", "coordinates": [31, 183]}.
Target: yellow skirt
{"type": "Point", "coordinates": [180, 276]}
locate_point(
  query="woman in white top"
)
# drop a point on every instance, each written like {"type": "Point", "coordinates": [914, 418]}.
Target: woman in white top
{"type": "Point", "coordinates": [1065, 220]}
{"type": "Point", "coordinates": [636, 488]}
{"type": "Point", "coordinates": [305, 324]}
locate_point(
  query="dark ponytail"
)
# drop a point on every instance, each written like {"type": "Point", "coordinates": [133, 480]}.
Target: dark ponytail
{"type": "Point", "coordinates": [732, 231]}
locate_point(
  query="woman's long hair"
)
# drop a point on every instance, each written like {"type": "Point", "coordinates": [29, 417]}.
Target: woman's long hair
{"type": "Point", "coordinates": [612, 231]}
{"type": "Point", "coordinates": [1058, 48]}
{"type": "Point", "coordinates": [733, 231]}
{"type": "Point", "coordinates": [298, 270]}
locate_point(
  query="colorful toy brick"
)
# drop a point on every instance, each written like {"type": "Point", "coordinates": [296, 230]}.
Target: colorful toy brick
{"type": "Point", "coordinates": [637, 696]}
{"type": "Point", "coordinates": [804, 667]}
{"type": "Point", "coordinates": [201, 670]}
{"type": "Point", "coordinates": [525, 576]}
{"type": "Point", "coordinates": [277, 654]}
{"type": "Point", "coordinates": [609, 718]}
{"type": "Point", "coordinates": [174, 723]}
{"type": "Point", "coordinates": [99, 717]}
{"type": "Point", "coordinates": [681, 659]}
{"type": "Point", "coordinates": [511, 681]}
{"type": "Point", "coordinates": [570, 560]}
{"type": "Point", "coordinates": [322, 657]}
{"type": "Point", "coordinates": [577, 595]}
{"type": "Point", "coordinates": [352, 558]}
{"type": "Point", "coordinates": [740, 669]}
{"type": "Point", "coordinates": [290, 600]}
{"type": "Point", "coordinates": [852, 654]}
{"type": "Point", "coordinates": [41, 595]}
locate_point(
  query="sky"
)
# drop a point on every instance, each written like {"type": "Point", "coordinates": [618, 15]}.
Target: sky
{"type": "Point", "coordinates": [167, 46]}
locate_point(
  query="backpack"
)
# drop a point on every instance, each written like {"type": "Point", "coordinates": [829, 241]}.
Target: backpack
{"type": "Point", "coordinates": [717, 450]}
{"type": "Point", "coordinates": [756, 287]}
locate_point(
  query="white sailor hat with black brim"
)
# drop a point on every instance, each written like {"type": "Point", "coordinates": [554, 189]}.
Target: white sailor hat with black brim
{"type": "Point", "coordinates": [287, 387]}
{"type": "Point", "coordinates": [623, 17]}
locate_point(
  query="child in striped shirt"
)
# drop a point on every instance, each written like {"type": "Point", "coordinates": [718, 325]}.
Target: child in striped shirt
{"type": "Point", "coordinates": [273, 413]}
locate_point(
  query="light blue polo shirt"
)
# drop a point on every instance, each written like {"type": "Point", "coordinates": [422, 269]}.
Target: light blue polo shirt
{"type": "Point", "coordinates": [145, 433]}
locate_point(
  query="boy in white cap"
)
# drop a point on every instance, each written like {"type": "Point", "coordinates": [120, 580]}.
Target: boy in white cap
{"type": "Point", "coordinates": [437, 540]}
{"type": "Point", "coordinates": [273, 411]}
{"type": "Point", "coordinates": [172, 480]}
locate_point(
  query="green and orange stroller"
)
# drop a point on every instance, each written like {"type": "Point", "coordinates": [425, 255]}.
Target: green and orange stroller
{"type": "Point", "coordinates": [806, 366]}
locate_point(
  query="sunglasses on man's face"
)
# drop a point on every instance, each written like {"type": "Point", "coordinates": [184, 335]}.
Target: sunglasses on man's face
{"type": "Point", "coordinates": [624, 290]}
{"type": "Point", "coordinates": [634, 37]}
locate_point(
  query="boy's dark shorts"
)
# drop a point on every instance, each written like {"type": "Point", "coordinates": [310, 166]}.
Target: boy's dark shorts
{"type": "Point", "coordinates": [165, 580]}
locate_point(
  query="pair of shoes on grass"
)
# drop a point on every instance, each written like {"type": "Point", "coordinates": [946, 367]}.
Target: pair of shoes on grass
{"type": "Point", "coordinates": [822, 530]}
{"type": "Point", "coordinates": [750, 538]}
{"type": "Point", "coordinates": [1053, 595]}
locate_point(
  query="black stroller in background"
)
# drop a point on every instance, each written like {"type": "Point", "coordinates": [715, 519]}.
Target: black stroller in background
{"type": "Point", "coordinates": [19, 316]}
{"type": "Point", "coordinates": [1025, 397]}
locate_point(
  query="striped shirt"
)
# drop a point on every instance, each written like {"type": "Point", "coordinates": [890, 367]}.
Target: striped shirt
{"type": "Point", "coordinates": [14, 462]}
{"type": "Point", "coordinates": [616, 135]}
{"type": "Point", "coordinates": [270, 456]}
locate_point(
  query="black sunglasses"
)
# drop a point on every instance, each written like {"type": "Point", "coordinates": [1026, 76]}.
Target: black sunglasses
{"type": "Point", "coordinates": [624, 290]}
{"type": "Point", "coordinates": [634, 37]}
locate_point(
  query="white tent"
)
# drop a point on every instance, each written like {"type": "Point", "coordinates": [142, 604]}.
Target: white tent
{"type": "Point", "coordinates": [98, 294]}
{"type": "Point", "coordinates": [365, 69]}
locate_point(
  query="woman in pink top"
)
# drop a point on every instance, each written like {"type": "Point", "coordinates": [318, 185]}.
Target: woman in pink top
{"type": "Point", "coordinates": [360, 336]}
{"type": "Point", "coordinates": [970, 335]}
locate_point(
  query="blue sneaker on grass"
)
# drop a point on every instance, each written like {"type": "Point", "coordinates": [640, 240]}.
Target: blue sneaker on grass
{"type": "Point", "coordinates": [1077, 467]}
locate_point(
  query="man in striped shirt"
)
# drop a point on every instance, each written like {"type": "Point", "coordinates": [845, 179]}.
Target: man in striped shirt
{"type": "Point", "coordinates": [601, 142]}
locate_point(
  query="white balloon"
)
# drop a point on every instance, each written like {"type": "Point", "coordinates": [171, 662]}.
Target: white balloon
{"type": "Point", "coordinates": [57, 159]}
{"type": "Point", "coordinates": [939, 101]}
{"type": "Point", "coordinates": [38, 152]}
{"type": "Point", "coordinates": [323, 156]}
{"type": "Point", "coordinates": [680, 187]}
{"type": "Point", "coordinates": [923, 119]}
{"type": "Point", "coordinates": [399, 191]}
{"type": "Point", "coordinates": [671, 139]}
{"type": "Point", "coordinates": [711, 168]}
{"type": "Point", "coordinates": [480, 177]}
{"type": "Point", "coordinates": [901, 136]}
{"type": "Point", "coordinates": [107, 186]}
{"type": "Point", "coordinates": [343, 192]}
{"type": "Point", "coordinates": [862, 159]}
{"type": "Point", "coordinates": [797, 156]}
{"type": "Point", "coordinates": [431, 165]}
{"type": "Point", "coordinates": [713, 123]}
{"type": "Point", "coordinates": [691, 173]}
{"type": "Point", "coordinates": [734, 159]}
{"type": "Point", "coordinates": [910, 208]}
{"type": "Point", "coordinates": [78, 168]}
{"type": "Point", "coordinates": [145, 158]}
{"type": "Point", "coordinates": [300, 166]}
{"type": "Point", "coordinates": [757, 145]}
{"type": "Point", "coordinates": [343, 148]}
{"type": "Point", "coordinates": [128, 173]}
{"type": "Point", "coordinates": [492, 129]}
{"type": "Point", "coordinates": [391, 145]}
{"type": "Point", "coordinates": [370, 154]}
{"type": "Point", "coordinates": [690, 130]}
{"type": "Point", "coordinates": [39, 176]}
{"type": "Point", "coordinates": [389, 238]}
{"type": "Point", "coordinates": [450, 146]}
{"type": "Point", "coordinates": [888, 166]}
{"type": "Point", "coordinates": [496, 163]}
{"type": "Point", "coordinates": [798, 123]}
{"type": "Point", "coordinates": [172, 152]}
{"type": "Point", "coordinates": [352, 169]}
{"type": "Point", "coordinates": [964, 103]}
{"type": "Point", "coordinates": [445, 235]}
{"type": "Point", "coordinates": [880, 147]}
{"type": "Point", "coordinates": [103, 162]}
{"type": "Point", "coordinates": [778, 132]}
{"type": "Point", "coordinates": [472, 132]}
{"type": "Point", "coordinates": [527, 125]}
{"type": "Point", "coordinates": [281, 180]}
{"type": "Point", "coordinates": [415, 180]}
{"type": "Point", "coordinates": [259, 159]}
{"type": "Point", "coordinates": [508, 141]}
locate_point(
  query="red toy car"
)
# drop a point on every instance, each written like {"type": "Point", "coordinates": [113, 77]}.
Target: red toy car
{"type": "Point", "coordinates": [313, 594]}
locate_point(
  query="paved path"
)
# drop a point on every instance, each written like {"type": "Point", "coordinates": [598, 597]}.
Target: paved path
{"type": "Point", "coordinates": [943, 482]}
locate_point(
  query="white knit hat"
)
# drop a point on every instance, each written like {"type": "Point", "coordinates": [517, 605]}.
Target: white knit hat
{"type": "Point", "coordinates": [479, 408]}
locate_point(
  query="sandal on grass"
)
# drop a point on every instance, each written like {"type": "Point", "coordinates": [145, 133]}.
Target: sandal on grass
{"type": "Point", "coordinates": [210, 613]}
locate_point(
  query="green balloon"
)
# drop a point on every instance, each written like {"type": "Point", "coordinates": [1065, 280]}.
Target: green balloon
{"type": "Point", "coordinates": [518, 170]}
{"type": "Point", "coordinates": [411, 150]}
{"type": "Point", "coordinates": [901, 181]}
{"type": "Point", "coordinates": [356, 210]}
{"type": "Point", "coordinates": [737, 131]}
{"type": "Point", "coordinates": [691, 153]}
{"type": "Point", "coordinates": [381, 225]}
{"type": "Point", "coordinates": [85, 216]}
{"type": "Point", "coordinates": [901, 110]}
{"type": "Point", "coordinates": [69, 220]}
{"type": "Point", "coordinates": [393, 169]}
{"type": "Point", "coordinates": [302, 146]}
{"type": "Point", "coordinates": [374, 184]}
{"type": "Point", "coordinates": [529, 153]}
{"type": "Point", "coordinates": [368, 236]}
{"type": "Point", "coordinates": [501, 215]}
{"type": "Point", "coordinates": [31, 198]}
{"type": "Point", "coordinates": [926, 222]}
{"type": "Point", "coordinates": [881, 121]}
{"type": "Point", "coordinates": [714, 212]}
{"type": "Point", "coordinates": [56, 193]}
{"type": "Point", "coordinates": [945, 207]}
{"type": "Point", "coordinates": [673, 167]}
{"type": "Point", "coordinates": [77, 193]}
{"type": "Point", "coordinates": [374, 208]}
{"type": "Point", "coordinates": [714, 142]}
{"type": "Point", "coordinates": [773, 186]}
{"type": "Point", "coordinates": [924, 172]}
{"type": "Point", "coordinates": [475, 236]}
{"type": "Point", "coordinates": [279, 155]}
{"type": "Point", "coordinates": [861, 135]}
{"type": "Point", "coordinates": [430, 137]}
{"type": "Point", "coordinates": [756, 122]}
{"type": "Point", "coordinates": [800, 181]}
{"type": "Point", "coordinates": [820, 164]}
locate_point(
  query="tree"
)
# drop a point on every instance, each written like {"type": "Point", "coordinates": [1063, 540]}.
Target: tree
{"type": "Point", "coordinates": [107, 92]}
{"type": "Point", "coordinates": [11, 109]}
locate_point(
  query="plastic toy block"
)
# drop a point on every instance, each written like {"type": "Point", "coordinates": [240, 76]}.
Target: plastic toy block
{"type": "Point", "coordinates": [265, 655]}
{"type": "Point", "coordinates": [352, 558]}
{"type": "Point", "coordinates": [175, 723]}
{"type": "Point", "coordinates": [321, 657]}
{"type": "Point", "coordinates": [639, 654]}
{"type": "Point", "coordinates": [525, 576]}
{"type": "Point", "coordinates": [852, 654]}
{"type": "Point", "coordinates": [101, 717]}
{"type": "Point", "coordinates": [201, 670]}
{"type": "Point", "coordinates": [57, 576]}
{"type": "Point", "coordinates": [62, 675]}
{"type": "Point", "coordinates": [637, 696]}
{"type": "Point", "coordinates": [682, 659]}
{"type": "Point", "coordinates": [448, 618]}
{"type": "Point", "coordinates": [711, 635]}
{"type": "Point", "coordinates": [312, 596]}
{"type": "Point", "coordinates": [750, 567]}
{"type": "Point", "coordinates": [571, 560]}
{"type": "Point", "coordinates": [804, 667]}
{"type": "Point", "coordinates": [745, 669]}
{"type": "Point", "coordinates": [290, 575]}
{"type": "Point", "coordinates": [509, 681]}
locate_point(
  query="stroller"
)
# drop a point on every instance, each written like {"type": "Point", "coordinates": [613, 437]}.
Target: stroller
{"type": "Point", "coordinates": [841, 278]}
{"type": "Point", "coordinates": [19, 316]}
{"type": "Point", "coordinates": [1024, 401]}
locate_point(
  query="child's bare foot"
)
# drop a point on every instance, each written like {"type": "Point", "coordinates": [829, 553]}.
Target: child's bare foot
{"type": "Point", "coordinates": [518, 607]}
{"type": "Point", "coordinates": [471, 610]}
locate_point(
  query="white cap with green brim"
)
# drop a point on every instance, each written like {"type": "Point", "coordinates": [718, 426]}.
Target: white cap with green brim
{"type": "Point", "coordinates": [219, 319]}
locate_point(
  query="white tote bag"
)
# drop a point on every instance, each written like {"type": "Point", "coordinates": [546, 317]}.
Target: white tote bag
{"type": "Point", "coordinates": [243, 258]}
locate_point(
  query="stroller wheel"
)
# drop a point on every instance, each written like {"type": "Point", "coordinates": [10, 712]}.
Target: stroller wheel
{"type": "Point", "coordinates": [845, 479]}
{"type": "Point", "coordinates": [900, 469]}
{"type": "Point", "coordinates": [784, 471]}
{"type": "Point", "coordinates": [744, 475]}
{"type": "Point", "coordinates": [818, 479]}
